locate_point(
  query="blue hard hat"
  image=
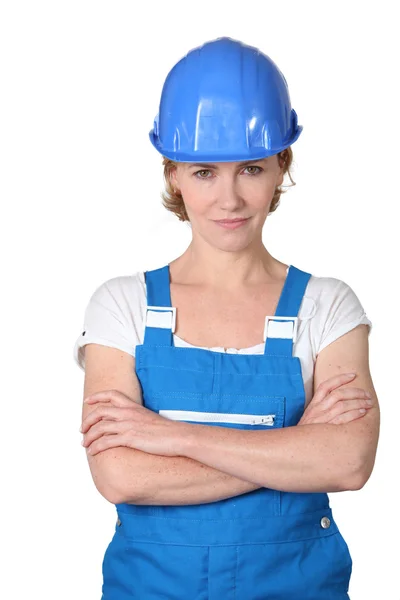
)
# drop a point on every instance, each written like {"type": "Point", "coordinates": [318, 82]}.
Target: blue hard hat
{"type": "Point", "coordinates": [224, 101]}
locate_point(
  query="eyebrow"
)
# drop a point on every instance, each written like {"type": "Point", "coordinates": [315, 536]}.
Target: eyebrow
{"type": "Point", "coordinates": [209, 166]}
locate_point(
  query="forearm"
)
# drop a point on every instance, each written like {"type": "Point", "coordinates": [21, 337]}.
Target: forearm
{"type": "Point", "coordinates": [174, 480]}
{"type": "Point", "coordinates": [306, 458]}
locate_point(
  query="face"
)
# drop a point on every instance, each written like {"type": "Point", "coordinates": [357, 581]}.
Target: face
{"type": "Point", "coordinates": [229, 190]}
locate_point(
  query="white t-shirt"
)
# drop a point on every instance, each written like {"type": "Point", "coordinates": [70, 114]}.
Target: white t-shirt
{"type": "Point", "coordinates": [115, 313]}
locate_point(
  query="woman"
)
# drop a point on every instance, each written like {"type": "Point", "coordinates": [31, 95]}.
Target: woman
{"type": "Point", "coordinates": [216, 443]}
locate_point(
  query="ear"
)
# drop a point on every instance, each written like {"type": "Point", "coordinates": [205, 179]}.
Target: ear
{"type": "Point", "coordinates": [281, 175]}
{"type": "Point", "coordinates": [173, 177]}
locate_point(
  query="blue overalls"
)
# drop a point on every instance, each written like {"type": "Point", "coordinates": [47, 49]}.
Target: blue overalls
{"type": "Point", "coordinates": [264, 544]}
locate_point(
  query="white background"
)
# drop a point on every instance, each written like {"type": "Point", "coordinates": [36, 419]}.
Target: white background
{"type": "Point", "coordinates": [80, 196]}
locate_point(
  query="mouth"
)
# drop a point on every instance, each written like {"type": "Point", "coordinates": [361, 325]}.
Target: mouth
{"type": "Point", "coordinates": [232, 220]}
{"type": "Point", "coordinates": [231, 223]}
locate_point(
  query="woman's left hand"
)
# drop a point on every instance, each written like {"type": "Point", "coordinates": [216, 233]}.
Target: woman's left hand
{"type": "Point", "coordinates": [117, 420]}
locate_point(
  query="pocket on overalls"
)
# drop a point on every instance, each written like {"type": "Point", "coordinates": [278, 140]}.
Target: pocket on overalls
{"type": "Point", "coordinates": [152, 571]}
{"type": "Point", "coordinates": [168, 571]}
{"type": "Point", "coordinates": [243, 420]}
{"type": "Point", "coordinates": [310, 569]}
{"type": "Point", "coordinates": [135, 567]}
{"type": "Point", "coordinates": [243, 411]}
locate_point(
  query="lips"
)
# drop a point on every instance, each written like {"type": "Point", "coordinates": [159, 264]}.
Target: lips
{"type": "Point", "coordinates": [231, 223]}
{"type": "Point", "coordinates": [231, 220]}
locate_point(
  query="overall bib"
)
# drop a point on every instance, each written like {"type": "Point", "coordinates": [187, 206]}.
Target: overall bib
{"type": "Point", "coordinates": [264, 544]}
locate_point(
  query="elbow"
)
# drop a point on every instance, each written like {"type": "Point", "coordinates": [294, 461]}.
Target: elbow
{"type": "Point", "coordinates": [358, 481]}
{"type": "Point", "coordinates": [359, 476]}
{"type": "Point", "coordinates": [362, 477]}
{"type": "Point", "coordinates": [116, 495]}
{"type": "Point", "coordinates": [109, 492]}
{"type": "Point", "coordinates": [110, 478]}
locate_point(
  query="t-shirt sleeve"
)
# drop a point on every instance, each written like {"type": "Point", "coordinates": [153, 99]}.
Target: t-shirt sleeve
{"type": "Point", "coordinates": [340, 311]}
{"type": "Point", "coordinates": [112, 317]}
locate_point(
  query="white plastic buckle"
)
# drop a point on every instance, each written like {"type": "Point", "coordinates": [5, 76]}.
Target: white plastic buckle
{"type": "Point", "coordinates": [279, 327]}
{"type": "Point", "coordinates": [160, 316]}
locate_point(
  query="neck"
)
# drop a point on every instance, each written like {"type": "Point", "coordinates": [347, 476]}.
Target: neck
{"type": "Point", "coordinates": [227, 271]}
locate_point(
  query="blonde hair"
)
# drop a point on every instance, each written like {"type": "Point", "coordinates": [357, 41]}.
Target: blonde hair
{"type": "Point", "coordinates": [173, 200]}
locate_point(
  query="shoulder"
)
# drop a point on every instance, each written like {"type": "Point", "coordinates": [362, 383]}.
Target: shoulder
{"type": "Point", "coordinates": [114, 315]}
{"type": "Point", "coordinates": [330, 308]}
{"type": "Point", "coordinates": [125, 297]}
{"type": "Point", "coordinates": [320, 293]}
{"type": "Point", "coordinates": [328, 292]}
{"type": "Point", "coordinates": [120, 289]}
{"type": "Point", "coordinates": [322, 286]}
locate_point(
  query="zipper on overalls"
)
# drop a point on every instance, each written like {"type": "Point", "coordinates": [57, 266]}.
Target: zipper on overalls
{"type": "Point", "coordinates": [190, 415]}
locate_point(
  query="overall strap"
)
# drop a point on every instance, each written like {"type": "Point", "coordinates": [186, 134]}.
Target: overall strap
{"type": "Point", "coordinates": [160, 316]}
{"type": "Point", "coordinates": [280, 333]}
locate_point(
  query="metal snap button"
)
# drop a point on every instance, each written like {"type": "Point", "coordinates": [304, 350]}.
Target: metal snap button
{"type": "Point", "coordinates": [325, 522]}
{"type": "Point", "coordinates": [118, 522]}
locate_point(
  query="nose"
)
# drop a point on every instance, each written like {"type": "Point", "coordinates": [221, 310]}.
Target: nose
{"type": "Point", "coordinates": [229, 196]}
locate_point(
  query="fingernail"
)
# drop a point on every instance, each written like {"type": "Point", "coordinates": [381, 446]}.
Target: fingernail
{"type": "Point", "coordinates": [370, 401]}
{"type": "Point", "coordinates": [362, 411]}
{"type": "Point", "coordinates": [350, 375]}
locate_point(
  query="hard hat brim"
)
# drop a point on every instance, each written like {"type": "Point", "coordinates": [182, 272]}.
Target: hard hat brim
{"type": "Point", "coordinates": [221, 156]}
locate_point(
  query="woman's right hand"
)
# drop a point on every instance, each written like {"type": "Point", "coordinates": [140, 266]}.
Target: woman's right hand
{"type": "Point", "coordinates": [330, 404]}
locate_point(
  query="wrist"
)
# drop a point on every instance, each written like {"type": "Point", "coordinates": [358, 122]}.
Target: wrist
{"type": "Point", "coordinates": [188, 439]}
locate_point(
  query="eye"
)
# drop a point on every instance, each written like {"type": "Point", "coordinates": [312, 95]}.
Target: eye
{"type": "Point", "coordinates": [254, 172]}
{"type": "Point", "coordinates": [197, 173]}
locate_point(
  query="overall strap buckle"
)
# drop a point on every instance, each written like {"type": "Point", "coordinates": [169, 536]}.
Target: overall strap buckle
{"type": "Point", "coordinates": [161, 316]}
{"type": "Point", "coordinates": [280, 327]}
